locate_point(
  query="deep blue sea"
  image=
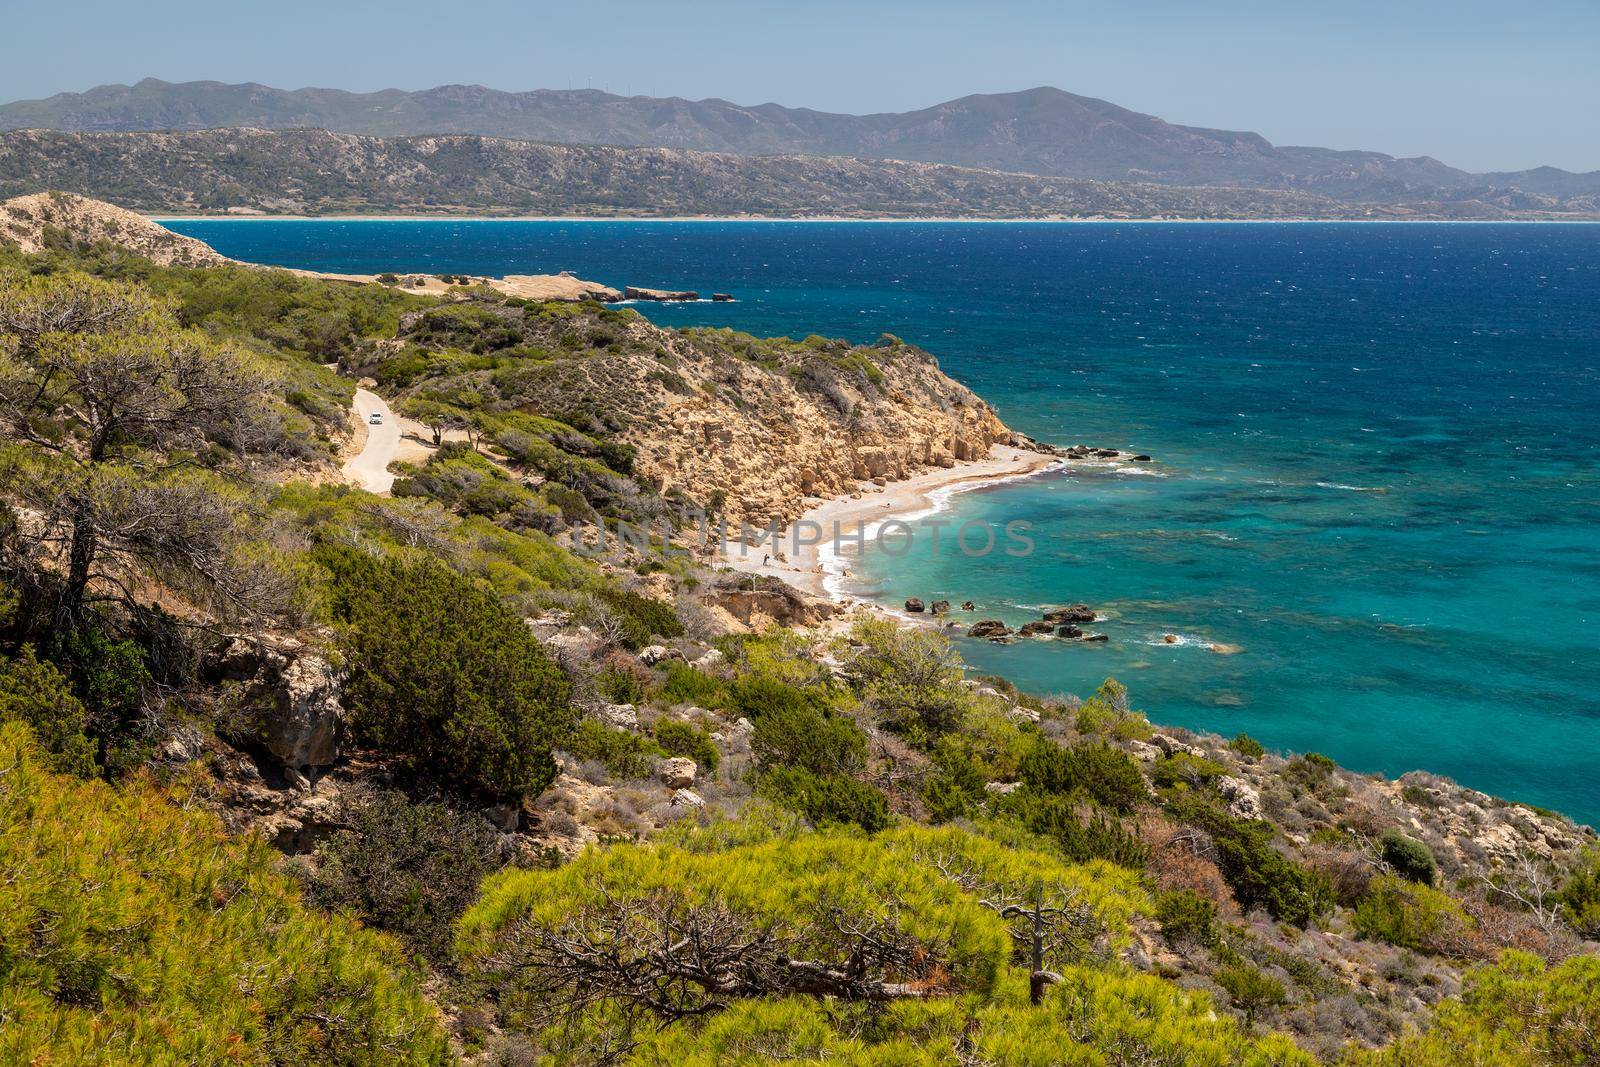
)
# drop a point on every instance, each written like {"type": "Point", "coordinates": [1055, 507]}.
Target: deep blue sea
{"type": "Point", "coordinates": [1377, 452]}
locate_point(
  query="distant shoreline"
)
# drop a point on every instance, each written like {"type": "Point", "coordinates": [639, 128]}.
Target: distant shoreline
{"type": "Point", "coordinates": [1085, 220]}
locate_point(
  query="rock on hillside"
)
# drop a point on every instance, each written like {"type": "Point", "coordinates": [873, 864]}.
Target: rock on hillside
{"type": "Point", "coordinates": [24, 220]}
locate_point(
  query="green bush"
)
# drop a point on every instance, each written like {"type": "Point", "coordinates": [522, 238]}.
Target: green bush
{"type": "Point", "coordinates": [444, 675]}
{"type": "Point", "coordinates": [1105, 774]}
{"type": "Point", "coordinates": [1107, 714]}
{"type": "Point", "coordinates": [137, 932]}
{"type": "Point", "coordinates": [1579, 897]}
{"type": "Point", "coordinates": [1250, 989]}
{"type": "Point", "coordinates": [111, 679]}
{"type": "Point", "coordinates": [35, 693]}
{"type": "Point", "coordinates": [1258, 874]}
{"type": "Point", "coordinates": [1082, 832]}
{"type": "Point", "coordinates": [620, 685]}
{"type": "Point", "coordinates": [1185, 770]}
{"type": "Point", "coordinates": [625, 754]}
{"type": "Point", "coordinates": [689, 685]}
{"type": "Point", "coordinates": [811, 738]}
{"type": "Point", "coordinates": [411, 869]}
{"type": "Point", "coordinates": [1411, 915]}
{"type": "Point", "coordinates": [678, 738]}
{"type": "Point", "coordinates": [1313, 770]}
{"type": "Point", "coordinates": [826, 799]}
{"type": "Point", "coordinates": [1185, 915]}
{"type": "Point", "coordinates": [909, 679]}
{"type": "Point", "coordinates": [955, 786]}
{"type": "Point", "coordinates": [1248, 747]}
{"type": "Point", "coordinates": [641, 617]}
{"type": "Point", "coordinates": [1409, 857]}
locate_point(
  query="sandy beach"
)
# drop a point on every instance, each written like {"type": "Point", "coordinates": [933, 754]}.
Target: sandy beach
{"type": "Point", "coordinates": [818, 569]}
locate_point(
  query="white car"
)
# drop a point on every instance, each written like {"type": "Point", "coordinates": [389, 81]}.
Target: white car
{"type": "Point", "coordinates": [375, 419]}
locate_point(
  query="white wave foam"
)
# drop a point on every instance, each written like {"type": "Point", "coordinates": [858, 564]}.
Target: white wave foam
{"type": "Point", "coordinates": [1353, 488]}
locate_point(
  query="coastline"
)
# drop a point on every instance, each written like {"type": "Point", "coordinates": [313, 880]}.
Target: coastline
{"type": "Point", "coordinates": [821, 570]}
{"type": "Point", "coordinates": [1303, 220]}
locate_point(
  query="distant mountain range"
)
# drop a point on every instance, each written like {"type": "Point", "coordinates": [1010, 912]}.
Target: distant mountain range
{"type": "Point", "coordinates": [1040, 131]}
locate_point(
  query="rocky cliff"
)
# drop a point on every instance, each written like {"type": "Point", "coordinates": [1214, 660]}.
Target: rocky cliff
{"type": "Point", "coordinates": [753, 426]}
{"type": "Point", "coordinates": [24, 221]}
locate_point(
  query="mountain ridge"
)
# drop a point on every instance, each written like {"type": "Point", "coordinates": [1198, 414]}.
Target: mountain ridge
{"type": "Point", "coordinates": [317, 172]}
{"type": "Point", "coordinates": [1044, 131]}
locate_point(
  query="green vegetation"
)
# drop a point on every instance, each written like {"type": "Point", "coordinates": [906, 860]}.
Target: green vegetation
{"type": "Point", "coordinates": [1258, 874]}
{"type": "Point", "coordinates": [1579, 898]}
{"type": "Point", "coordinates": [624, 754]}
{"type": "Point", "coordinates": [678, 738]}
{"type": "Point", "coordinates": [36, 694]}
{"type": "Point", "coordinates": [1411, 915]}
{"type": "Point", "coordinates": [408, 868]}
{"type": "Point", "coordinates": [1409, 857]}
{"type": "Point", "coordinates": [133, 931]}
{"type": "Point", "coordinates": [1185, 915]}
{"type": "Point", "coordinates": [1521, 1012]}
{"type": "Point", "coordinates": [796, 905]}
{"type": "Point", "coordinates": [443, 674]}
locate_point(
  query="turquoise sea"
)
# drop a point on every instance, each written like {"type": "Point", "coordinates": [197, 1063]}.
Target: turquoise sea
{"type": "Point", "coordinates": [1377, 451]}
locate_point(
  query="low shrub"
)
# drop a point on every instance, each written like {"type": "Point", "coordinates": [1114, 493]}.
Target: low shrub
{"type": "Point", "coordinates": [34, 692]}
{"type": "Point", "coordinates": [678, 738]}
{"type": "Point", "coordinates": [1250, 989]}
{"type": "Point", "coordinates": [1411, 915]}
{"type": "Point", "coordinates": [1185, 915]}
{"type": "Point", "coordinates": [1410, 858]}
{"type": "Point", "coordinates": [1579, 897]}
{"type": "Point", "coordinates": [826, 799]}
{"type": "Point", "coordinates": [689, 685]}
{"type": "Point", "coordinates": [443, 674]}
{"type": "Point", "coordinates": [1258, 874]}
{"type": "Point", "coordinates": [1082, 831]}
{"type": "Point", "coordinates": [411, 869]}
{"type": "Point", "coordinates": [1099, 771]}
{"type": "Point", "coordinates": [641, 617]}
{"type": "Point", "coordinates": [624, 754]}
{"type": "Point", "coordinates": [1184, 770]}
{"type": "Point", "coordinates": [1248, 747]}
{"type": "Point", "coordinates": [811, 739]}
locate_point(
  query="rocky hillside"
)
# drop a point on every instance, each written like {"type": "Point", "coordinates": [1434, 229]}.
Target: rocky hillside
{"type": "Point", "coordinates": [310, 171]}
{"type": "Point", "coordinates": [544, 806]}
{"type": "Point", "coordinates": [24, 221]}
{"type": "Point", "coordinates": [1037, 131]}
{"type": "Point", "coordinates": [749, 426]}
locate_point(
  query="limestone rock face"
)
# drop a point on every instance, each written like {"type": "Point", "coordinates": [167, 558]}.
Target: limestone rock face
{"type": "Point", "coordinates": [618, 716]}
{"type": "Point", "coordinates": [677, 772]}
{"type": "Point", "coordinates": [763, 430]}
{"type": "Point", "coordinates": [290, 698]}
{"type": "Point", "coordinates": [1243, 800]}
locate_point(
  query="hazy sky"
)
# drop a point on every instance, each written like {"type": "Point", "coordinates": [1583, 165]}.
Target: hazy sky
{"type": "Point", "coordinates": [1487, 86]}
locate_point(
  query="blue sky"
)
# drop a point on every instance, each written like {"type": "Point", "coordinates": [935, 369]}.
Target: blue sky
{"type": "Point", "coordinates": [1480, 85]}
